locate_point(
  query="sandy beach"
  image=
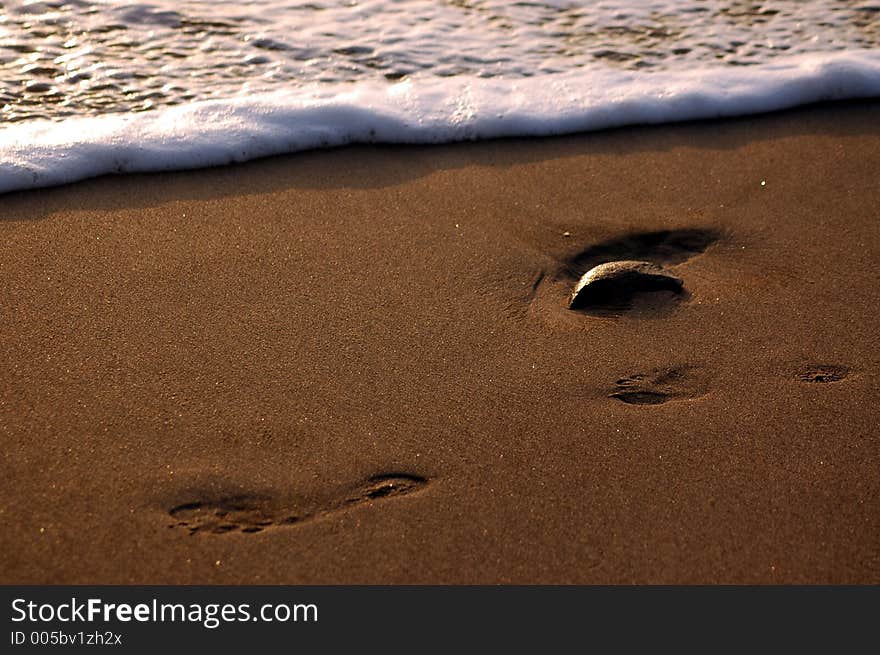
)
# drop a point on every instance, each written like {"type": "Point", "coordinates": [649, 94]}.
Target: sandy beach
{"type": "Point", "coordinates": [358, 365]}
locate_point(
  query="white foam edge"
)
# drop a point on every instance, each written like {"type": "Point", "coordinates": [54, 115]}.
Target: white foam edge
{"type": "Point", "coordinates": [418, 111]}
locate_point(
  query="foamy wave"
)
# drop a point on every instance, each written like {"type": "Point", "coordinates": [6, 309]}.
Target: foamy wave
{"type": "Point", "coordinates": [216, 132]}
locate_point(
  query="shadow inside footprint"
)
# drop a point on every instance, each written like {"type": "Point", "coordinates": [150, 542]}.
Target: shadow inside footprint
{"type": "Point", "coordinates": [619, 286]}
{"type": "Point", "coordinates": [822, 373]}
{"type": "Point", "coordinates": [660, 385]}
{"type": "Point", "coordinates": [661, 247]}
{"type": "Point", "coordinates": [386, 486]}
{"type": "Point", "coordinates": [641, 397]}
{"type": "Point", "coordinates": [250, 514]}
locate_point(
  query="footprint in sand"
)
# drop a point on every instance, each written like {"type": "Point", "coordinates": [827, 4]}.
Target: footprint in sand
{"type": "Point", "coordinates": [249, 514]}
{"type": "Point", "coordinates": [822, 373]}
{"type": "Point", "coordinates": [661, 385]}
{"type": "Point", "coordinates": [627, 273]}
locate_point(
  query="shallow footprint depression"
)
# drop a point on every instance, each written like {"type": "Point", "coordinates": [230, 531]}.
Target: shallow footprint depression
{"type": "Point", "coordinates": [255, 513]}
{"type": "Point", "coordinates": [661, 385]}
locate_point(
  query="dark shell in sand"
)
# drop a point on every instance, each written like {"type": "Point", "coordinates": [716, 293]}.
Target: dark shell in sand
{"type": "Point", "coordinates": [616, 284]}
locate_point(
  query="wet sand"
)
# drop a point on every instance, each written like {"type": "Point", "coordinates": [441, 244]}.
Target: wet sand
{"type": "Point", "coordinates": [358, 366]}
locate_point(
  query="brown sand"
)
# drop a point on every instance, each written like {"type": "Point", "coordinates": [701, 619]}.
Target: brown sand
{"type": "Point", "coordinates": [242, 346]}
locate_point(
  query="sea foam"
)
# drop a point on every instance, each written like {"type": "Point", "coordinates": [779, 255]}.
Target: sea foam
{"type": "Point", "coordinates": [40, 153]}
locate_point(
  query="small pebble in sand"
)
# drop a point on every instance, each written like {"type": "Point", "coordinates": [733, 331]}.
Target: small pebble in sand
{"type": "Point", "coordinates": [615, 283]}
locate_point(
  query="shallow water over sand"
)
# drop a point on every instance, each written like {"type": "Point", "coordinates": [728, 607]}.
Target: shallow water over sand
{"type": "Point", "coordinates": [86, 57]}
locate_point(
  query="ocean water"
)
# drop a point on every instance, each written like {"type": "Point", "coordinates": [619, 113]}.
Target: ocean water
{"type": "Point", "coordinates": [97, 86]}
